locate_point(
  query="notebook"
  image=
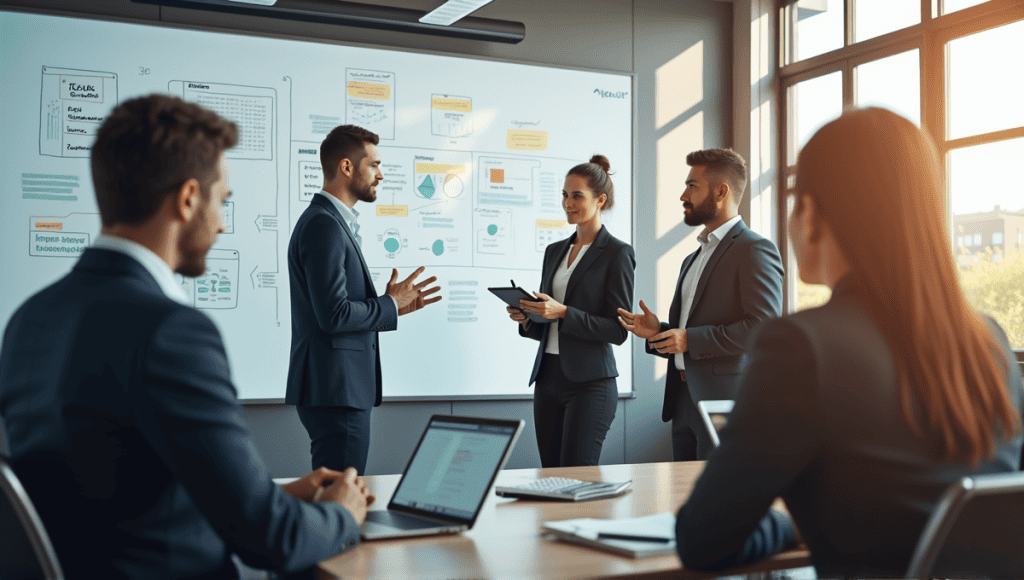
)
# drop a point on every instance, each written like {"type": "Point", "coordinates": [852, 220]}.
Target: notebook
{"type": "Point", "coordinates": [653, 535]}
{"type": "Point", "coordinates": [447, 479]}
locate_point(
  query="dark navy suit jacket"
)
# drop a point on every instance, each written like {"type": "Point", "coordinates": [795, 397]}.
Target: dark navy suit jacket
{"type": "Point", "coordinates": [336, 315]}
{"type": "Point", "coordinates": [125, 429]}
{"type": "Point", "coordinates": [740, 287]}
{"type": "Point", "coordinates": [601, 283]}
{"type": "Point", "coordinates": [818, 421]}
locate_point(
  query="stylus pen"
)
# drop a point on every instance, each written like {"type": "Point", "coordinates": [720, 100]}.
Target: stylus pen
{"type": "Point", "coordinates": [631, 537]}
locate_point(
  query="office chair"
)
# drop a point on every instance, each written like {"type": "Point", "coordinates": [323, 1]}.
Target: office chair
{"type": "Point", "coordinates": [25, 549]}
{"type": "Point", "coordinates": [977, 529]}
{"type": "Point", "coordinates": [720, 408]}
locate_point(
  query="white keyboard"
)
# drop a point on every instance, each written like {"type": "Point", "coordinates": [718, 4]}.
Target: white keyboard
{"type": "Point", "coordinates": [563, 488]}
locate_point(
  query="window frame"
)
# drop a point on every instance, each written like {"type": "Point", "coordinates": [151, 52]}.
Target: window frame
{"type": "Point", "coordinates": [931, 37]}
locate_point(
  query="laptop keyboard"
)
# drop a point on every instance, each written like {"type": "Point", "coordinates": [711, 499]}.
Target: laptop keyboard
{"type": "Point", "coordinates": [400, 521]}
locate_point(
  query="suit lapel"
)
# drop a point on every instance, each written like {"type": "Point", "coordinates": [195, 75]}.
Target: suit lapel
{"type": "Point", "coordinates": [592, 254]}
{"type": "Point", "coordinates": [551, 262]}
{"type": "Point", "coordinates": [716, 256]}
{"type": "Point", "coordinates": [329, 207]}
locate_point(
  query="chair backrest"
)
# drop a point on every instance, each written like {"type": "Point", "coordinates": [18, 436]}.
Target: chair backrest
{"type": "Point", "coordinates": [713, 414]}
{"type": "Point", "coordinates": [25, 549]}
{"type": "Point", "coordinates": [976, 530]}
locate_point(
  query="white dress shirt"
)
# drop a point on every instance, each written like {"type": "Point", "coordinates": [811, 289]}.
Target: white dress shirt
{"type": "Point", "coordinates": [708, 242]}
{"type": "Point", "coordinates": [350, 215]}
{"type": "Point", "coordinates": [153, 264]}
{"type": "Point", "coordinates": [559, 283]}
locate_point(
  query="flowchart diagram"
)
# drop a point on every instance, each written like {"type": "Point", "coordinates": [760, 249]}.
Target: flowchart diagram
{"type": "Point", "coordinates": [474, 154]}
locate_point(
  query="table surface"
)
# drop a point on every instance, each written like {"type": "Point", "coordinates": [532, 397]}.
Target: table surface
{"type": "Point", "coordinates": [507, 542]}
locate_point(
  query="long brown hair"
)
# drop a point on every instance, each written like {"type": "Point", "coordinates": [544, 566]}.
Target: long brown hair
{"type": "Point", "coordinates": [876, 180]}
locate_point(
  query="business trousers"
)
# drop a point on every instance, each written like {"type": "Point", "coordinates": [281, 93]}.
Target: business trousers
{"type": "Point", "coordinates": [571, 419]}
{"type": "Point", "coordinates": [339, 436]}
{"type": "Point", "coordinates": [690, 438]}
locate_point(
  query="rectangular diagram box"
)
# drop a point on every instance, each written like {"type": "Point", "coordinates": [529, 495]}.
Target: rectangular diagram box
{"type": "Point", "coordinates": [61, 236]}
{"type": "Point", "coordinates": [370, 100]}
{"type": "Point", "coordinates": [251, 108]}
{"type": "Point", "coordinates": [73, 104]}
{"type": "Point", "coordinates": [451, 116]}
{"type": "Point", "coordinates": [506, 181]}
{"type": "Point", "coordinates": [217, 289]}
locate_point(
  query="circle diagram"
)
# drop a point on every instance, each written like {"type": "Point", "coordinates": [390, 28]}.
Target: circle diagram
{"type": "Point", "coordinates": [438, 247]}
{"type": "Point", "coordinates": [392, 241]}
{"type": "Point", "coordinates": [492, 229]}
{"type": "Point", "coordinates": [452, 185]}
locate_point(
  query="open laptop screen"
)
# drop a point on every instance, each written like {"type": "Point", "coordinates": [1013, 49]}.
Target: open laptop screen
{"type": "Point", "coordinates": [452, 468]}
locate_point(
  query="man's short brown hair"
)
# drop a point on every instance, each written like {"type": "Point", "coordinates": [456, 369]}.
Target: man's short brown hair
{"type": "Point", "coordinates": [724, 165]}
{"type": "Point", "coordinates": [344, 142]}
{"type": "Point", "coordinates": [148, 147]}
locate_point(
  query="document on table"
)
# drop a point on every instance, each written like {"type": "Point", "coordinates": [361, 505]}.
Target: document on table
{"type": "Point", "coordinates": [634, 537]}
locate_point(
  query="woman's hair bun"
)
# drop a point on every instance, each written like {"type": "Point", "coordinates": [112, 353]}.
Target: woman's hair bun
{"type": "Point", "coordinates": [602, 162]}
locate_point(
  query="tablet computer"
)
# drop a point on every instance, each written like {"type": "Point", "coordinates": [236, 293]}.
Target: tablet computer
{"type": "Point", "coordinates": [513, 294]}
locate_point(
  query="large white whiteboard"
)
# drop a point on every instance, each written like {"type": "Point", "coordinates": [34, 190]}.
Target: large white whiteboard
{"type": "Point", "coordinates": [474, 155]}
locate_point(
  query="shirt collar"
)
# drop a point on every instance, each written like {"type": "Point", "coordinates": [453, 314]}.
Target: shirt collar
{"type": "Point", "coordinates": [712, 238]}
{"type": "Point", "coordinates": [348, 214]}
{"type": "Point", "coordinates": [153, 264]}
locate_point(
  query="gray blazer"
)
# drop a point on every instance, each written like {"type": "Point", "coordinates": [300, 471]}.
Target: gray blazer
{"type": "Point", "coordinates": [336, 315]}
{"type": "Point", "coordinates": [740, 287]}
{"type": "Point", "coordinates": [601, 283]}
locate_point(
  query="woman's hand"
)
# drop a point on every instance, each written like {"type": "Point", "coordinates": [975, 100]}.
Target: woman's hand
{"type": "Point", "coordinates": [548, 307]}
{"type": "Point", "coordinates": [517, 315]}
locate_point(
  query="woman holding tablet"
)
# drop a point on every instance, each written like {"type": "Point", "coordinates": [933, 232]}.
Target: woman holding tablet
{"type": "Point", "coordinates": [585, 278]}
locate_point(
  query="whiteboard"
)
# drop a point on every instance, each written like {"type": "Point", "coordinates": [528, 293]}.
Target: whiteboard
{"type": "Point", "coordinates": [474, 156]}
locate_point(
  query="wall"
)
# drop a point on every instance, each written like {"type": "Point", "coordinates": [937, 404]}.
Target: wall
{"type": "Point", "coordinates": [681, 54]}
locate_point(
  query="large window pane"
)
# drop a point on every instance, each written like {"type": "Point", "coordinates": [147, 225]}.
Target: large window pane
{"type": "Point", "coordinates": [873, 18]}
{"type": "Point", "coordinates": [812, 103]}
{"type": "Point", "coordinates": [949, 6]}
{"type": "Point", "coordinates": [988, 216]}
{"type": "Point", "coordinates": [893, 82]}
{"type": "Point", "coordinates": [986, 81]}
{"type": "Point", "coordinates": [816, 27]}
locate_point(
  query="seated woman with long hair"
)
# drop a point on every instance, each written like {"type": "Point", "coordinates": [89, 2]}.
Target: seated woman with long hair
{"type": "Point", "coordinates": [860, 413]}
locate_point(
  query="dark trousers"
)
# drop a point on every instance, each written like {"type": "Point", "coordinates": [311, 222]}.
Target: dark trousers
{"type": "Point", "coordinates": [571, 418]}
{"type": "Point", "coordinates": [690, 438]}
{"type": "Point", "coordinates": [339, 436]}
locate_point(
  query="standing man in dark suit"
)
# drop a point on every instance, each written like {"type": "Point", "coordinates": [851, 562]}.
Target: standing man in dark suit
{"type": "Point", "coordinates": [334, 376]}
{"type": "Point", "coordinates": [728, 286]}
{"type": "Point", "coordinates": [124, 424]}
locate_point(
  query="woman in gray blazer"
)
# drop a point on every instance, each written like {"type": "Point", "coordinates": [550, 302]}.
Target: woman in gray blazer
{"type": "Point", "coordinates": [585, 279]}
{"type": "Point", "coordinates": [860, 413]}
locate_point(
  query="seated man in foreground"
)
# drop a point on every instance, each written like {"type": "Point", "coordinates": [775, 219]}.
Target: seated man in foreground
{"type": "Point", "coordinates": [123, 422]}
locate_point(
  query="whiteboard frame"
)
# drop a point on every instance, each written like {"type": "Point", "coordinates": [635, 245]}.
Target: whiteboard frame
{"type": "Point", "coordinates": [634, 147]}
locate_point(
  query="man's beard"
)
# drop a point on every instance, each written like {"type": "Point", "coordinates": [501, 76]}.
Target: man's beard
{"type": "Point", "coordinates": [365, 192]}
{"type": "Point", "coordinates": [702, 214]}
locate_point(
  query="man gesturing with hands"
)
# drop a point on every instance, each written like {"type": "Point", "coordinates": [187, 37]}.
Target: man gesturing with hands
{"type": "Point", "coordinates": [728, 286]}
{"type": "Point", "coordinates": [334, 374]}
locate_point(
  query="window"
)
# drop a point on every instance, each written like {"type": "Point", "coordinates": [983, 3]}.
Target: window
{"type": "Point", "coordinates": [953, 67]}
{"type": "Point", "coordinates": [873, 18]}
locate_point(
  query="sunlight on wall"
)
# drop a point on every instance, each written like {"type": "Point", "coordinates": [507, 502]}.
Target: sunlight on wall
{"type": "Point", "coordinates": [679, 85]}
{"type": "Point", "coordinates": [672, 169]}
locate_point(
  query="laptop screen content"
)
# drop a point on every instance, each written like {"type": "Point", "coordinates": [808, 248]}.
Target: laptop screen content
{"type": "Point", "coordinates": [452, 468]}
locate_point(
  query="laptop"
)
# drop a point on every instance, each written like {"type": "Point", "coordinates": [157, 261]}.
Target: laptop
{"type": "Point", "coordinates": [449, 476]}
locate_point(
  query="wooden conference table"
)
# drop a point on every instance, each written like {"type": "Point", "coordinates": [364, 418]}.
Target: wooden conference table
{"type": "Point", "coordinates": [507, 542]}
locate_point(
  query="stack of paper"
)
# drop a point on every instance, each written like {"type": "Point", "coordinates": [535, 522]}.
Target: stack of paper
{"type": "Point", "coordinates": [634, 537]}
